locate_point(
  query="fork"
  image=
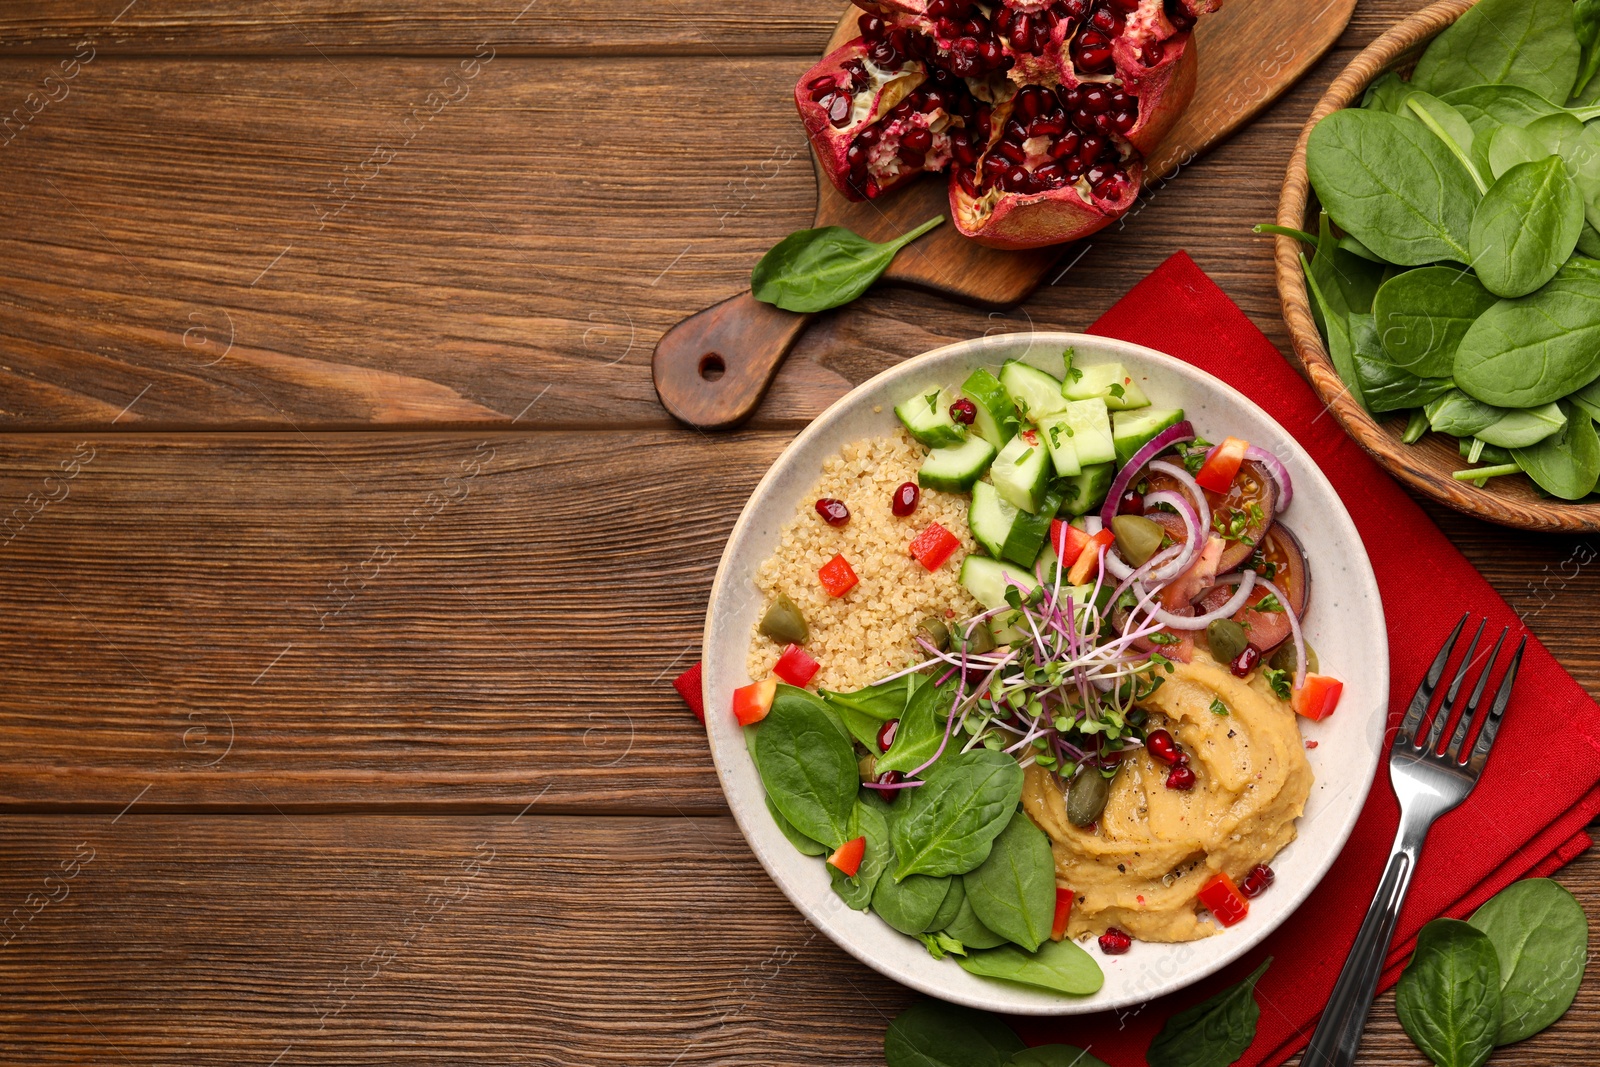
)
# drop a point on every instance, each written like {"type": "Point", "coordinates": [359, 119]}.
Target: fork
{"type": "Point", "coordinates": [1428, 784]}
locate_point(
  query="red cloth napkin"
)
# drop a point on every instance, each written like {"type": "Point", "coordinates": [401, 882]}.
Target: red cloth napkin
{"type": "Point", "coordinates": [1527, 814]}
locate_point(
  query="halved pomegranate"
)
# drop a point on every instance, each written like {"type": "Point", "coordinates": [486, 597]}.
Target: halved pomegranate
{"type": "Point", "coordinates": [1042, 109]}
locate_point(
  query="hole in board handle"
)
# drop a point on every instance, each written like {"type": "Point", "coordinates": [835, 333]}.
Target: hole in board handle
{"type": "Point", "coordinates": [712, 366]}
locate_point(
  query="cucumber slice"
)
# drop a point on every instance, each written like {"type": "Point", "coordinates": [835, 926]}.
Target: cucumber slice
{"type": "Point", "coordinates": [1022, 471]}
{"type": "Point", "coordinates": [1035, 393]}
{"type": "Point", "coordinates": [986, 580]}
{"type": "Point", "coordinates": [927, 418]}
{"type": "Point", "coordinates": [990, 519]}
{"type": "Point", "coordinates": [1110, 382]}
{"type": "Point", "coordinates": [1057, 433]}
{"type": "Point", "coordinates": [956, 468]}
{"type": "Point", "coordinates": [1132, 430]}
{"type": "Point", "coordinates": [997, 420]}
{"type": "Point", "coordinates": [1029, 532]}
{"type": "Point", "coordinates": [1091, 431]}
{"type": "Point", "coordinates": [1088, 490]}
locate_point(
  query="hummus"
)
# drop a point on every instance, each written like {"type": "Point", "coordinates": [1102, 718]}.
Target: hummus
{"type": "Point", "coordinates": [1154, 847]}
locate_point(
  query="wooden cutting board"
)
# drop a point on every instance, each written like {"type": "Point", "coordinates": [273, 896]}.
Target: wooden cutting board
{"type": "Point", "coordinates": [712, 369]}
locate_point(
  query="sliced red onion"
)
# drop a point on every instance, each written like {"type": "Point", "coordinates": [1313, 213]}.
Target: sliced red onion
{"type": "Point", "coordinates": [1192, 542]}
{"type": "Point", "coordinates": [1199, 622]}
{"type": "Point", "coordinates": [1243, 577]}
{"type": "Point", "coordinates": [1279, 472]}
{"type": "Point", "coordinates": [1158, 444]}
{"type": "Point", "coordinates": [1197, 495]}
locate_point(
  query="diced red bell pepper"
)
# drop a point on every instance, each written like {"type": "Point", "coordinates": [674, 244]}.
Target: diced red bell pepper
{"type": "Point", "coordinates": [1068, 541]}
{"type": "Point", "coordinates": [1221, 464]}
{"type": "Point", "coordinates": [796, 666]}
{"type": "Point", "coordinates": [688, 686]}
{"type": "Point", "coordinates": [1317, 698]}
{"type": "Point", "coordinates": [752, 702]}
{"type": "Point", "coordinates": [933, 546]}
{"type": "Point", "coordinates": [1087, 564]}
{"type": "Point", "coordinates": [1223, 899]}
{"type": "Point", "coordinates": [837, 576]}
{"type": "Point", "coordinates": [1058, 928]}
{"type": "Point", "coordinates": [847, 857]}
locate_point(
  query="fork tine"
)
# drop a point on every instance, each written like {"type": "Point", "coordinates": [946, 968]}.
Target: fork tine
{"type": "Point", "coordinates": [1436, 731]}
{"type": "Point", "coordinates": [1424, 695]}
{"type": "Point", "coordinates": [1464, 727]}
{"type": "Point", "coordinates": [1502, 697]}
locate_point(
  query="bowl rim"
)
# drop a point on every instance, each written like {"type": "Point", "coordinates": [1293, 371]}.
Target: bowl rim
{"type": "Point", "coordinates": [1240, 942]}
{"type": "Point", "coordinates": [1529, 512]}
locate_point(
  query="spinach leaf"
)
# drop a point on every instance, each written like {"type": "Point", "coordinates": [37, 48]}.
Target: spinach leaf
{"type": "Point", "coordinates": [1587, 399]}
{"type": "Point", "coordinates": [1541, 938]}
{"type": "Point", "coordinates": [949, 825]}
{"type": "Point", "coordinates": [808, 766]}
{"type": "Point", "coordinates": [911, 904]}
{"type": "Point", "coordinates": [1060, 966]}
{"type": "Point", "coordinates": [1510, 146]}
{"type": "Point", "coordinates": [1013, 892]}
{"type": "Point", "coordinates": [934, 1034]}
{"type": "Point", "coordinates": [862, 727]}
{"type": "Point", "coordinates": [1452, 130]}
{"type": "Point", "coordinates": [1392, 185]}
{"type": "Point", "coordinates": [1526, 352]}
{"type": "Point", "coordinates": [1214, 1032]}
{"type": "Point", "coordinates": [1458, 414]}
{"type": "Point", "coordinates": [1583, 163]}
{"type": "Point", "coordinates": [799, 840]}
{"type": "Point", "coordinates": [1523, 427]}
{"type": "Point", "coordinates": [921, 730]}
{"type": "Point", "coordinates": [1351, 279]}
{"type": "Point", "coordinates": [1423, 314]}
{"type": "Point", "coordinates": [814, 270]}
{"type": "Point", "coordinates": [1335, 324]}
{"type": "Point", "coordinates": [968, 929]}
{"type": "Point", "coordinates": [954, 898]}
{"type": "Point", "coordinates": [1055, 1056]}
{"type": "Point", "coordinates": [884, 701]}
{"type": "Point", "coordinates": [1388, 93]}
{"type": "Point", "coordinates": [1487, 106]}
{"type": "Point", "coordinates": [856, 891]}
{"type": "Point", "coordinates": [1565, 464]}
{"type": "Point", "coordinates": [1586, 21]}
{"type": "Point", "coordinates": [1385, 386]}
{"type": "Point", "coordinates": [1448, 998]}
{"type": "Point", "coordinates": [1531, 43]}
{"type": "Point", "coordinates": [1526, 227]}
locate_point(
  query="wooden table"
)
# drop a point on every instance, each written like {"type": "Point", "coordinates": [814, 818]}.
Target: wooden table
{"type": "Point", "coordinates": [349, 553]}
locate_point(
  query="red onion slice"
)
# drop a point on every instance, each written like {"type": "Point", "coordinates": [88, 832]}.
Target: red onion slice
{"type": "Point", "coordinates": [1243, 578]}
{"type": "Point", "coordinates": [1158, 444]}
{"type": "Point", "coordinates": [1280, 474]}
{"type": "Point", "coordinates": [1197, 495]}
{"type": "Point", "coordinates": [1192, 542]}
{"type": "Point", "coordinates": [1200, 622]}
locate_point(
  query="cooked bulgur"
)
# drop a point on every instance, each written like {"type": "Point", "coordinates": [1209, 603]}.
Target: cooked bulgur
{"type": "Point", "coordinates": [867, 633]}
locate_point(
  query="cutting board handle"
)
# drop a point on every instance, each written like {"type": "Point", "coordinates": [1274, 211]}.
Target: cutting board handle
{"type": "Point", "coordinates": [712, 369]}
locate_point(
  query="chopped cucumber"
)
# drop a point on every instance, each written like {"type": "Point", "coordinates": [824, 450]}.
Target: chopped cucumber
{"type": "Point", "coordinates": [1091, 431]}
{"type": "Point", "coordinates": [1035, 393]}
{"type": "Point", "coordinates": [990, 519]}
{"type": "Point", "coordinates": [956, 468]}
{"type": "Point", "coordinates": [1057, 433]}
{"type": "Point", "coordinates": [1022, 471]}
{"type": "Point", "coordinates": [987, 580]}
{"type": "Point", "coordinates": [927, 418]}
{"type": "Point", "coordinates": [997, 420]}
{"type": "Point", "coordinates": [1088, 490]}
{"type": "Point", "coordinates": [1132, 430]}
{"type": "Point", "coordinates": [1029, 532]}
{"type": "Point", "coordinates": [1110, 382]}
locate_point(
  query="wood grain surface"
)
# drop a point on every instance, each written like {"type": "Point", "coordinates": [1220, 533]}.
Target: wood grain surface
{"type": "Point", "coordinates": [263, 543]}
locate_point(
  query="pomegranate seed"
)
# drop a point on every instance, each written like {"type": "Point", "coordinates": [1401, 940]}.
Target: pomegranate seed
{"type": "Point", "coordinates": [1124, 121]}
{"type": "Point", "coordinates": [1015, 131]}
{"type": "Point", "coordinates": [905, 499]}
{"type": "Point", "coordinates": [1127, 7]}
{"type": "Point", "coordinates": [1011, 151]}
{"type": "Point", "coordinates": [1090, 148]}
{"type": "Point", "coordinates": [1245, 662]}
{"type": "Point", "coordinates": [1003, 19]}
{"type": "Point", "coordinates": [1120, 100]}
{"type": "Point", "coordinates": [1018, 180]}
{"type": "Point", "coordinates": [1180, 777]}
{"type": "Point", "coordinates": [912, 159]}
{"type": "Point", "coordinates": [1178, 16]}
{"type": "Point", "coordinates": [1098, 174]}
{"type": "Point", "coordinates": [967, 183]}
{"type": "Point", "coordinates": [833, 512]}
{"type": "Point", "coordinates": [1067, 145]}
{"type": "Point", "coordinates": [1083, 118]}
{"type": "Point", "coordinates": [902, 110]}
{"type": "Point", "coordinates": [1021, 35]}
{"type": "Point", "coordinates": [990, 54]}
{"type": "Point", "coordinates": [1072, 99]}
{"type": "Point", "coordinates": [961, 149]}
{"type": "Point", "coordinates": [940, 8]}
{"type": "Point", "coordinates": [1097, 100]}
{"type": "Point", "coordinates": [1051, 176]}
{"type": "Point", "coordinates": [1131, 503]}
{"type": "Point", "coordinates": [1114, 186]}
{"type": "Point", "coordinates": [839, 110]}
{"type": "Point", "coordinates": [1114, 942]}
{"type": "Point", "coordinates": [856, 155]}
{"type": "Point", "coordinates": [1161, 746]}
{"type": "Point", "coordinates": [886, 734]}
{"type": "Point", "coordinates": [871, 26]}
{"type": "Point", "coordinates": [859, 78]}
{"type": "Point", "coordinates": [917, 139]}
{"type": "Point", "coordinates": [1256, 882]}
{"type": "Point", "coordinates": [1091, 52]}
{"type": "Point", "coordinates": [1075, 8]}
{"type": "Point", "coordinates": [1105, 21]}
{"type": "Point", "coordinates": [1048, 125]}
{"type": "Point", "coordinates": [964, 411]}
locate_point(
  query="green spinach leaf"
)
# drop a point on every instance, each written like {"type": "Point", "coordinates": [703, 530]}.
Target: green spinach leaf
{"type": "Point", "coordinates": [1523, 427]}
{"type": "Point", "coordinates": [1541, 938]}
{"type": "Point", "coordinates": [1587, 399]}
{"type": "Point", "coordinates": [921, 730]}
{"type": "Point", "coordinates": [949, 825]}
{"type": "Point", "coordinates": [1385, 386]}
{"type": "Point", "coordinates": [1388, 93]}
{"type": "Point", "coordinates": [1452, 130]}
{"type": "Point", "coordinates": [857, 890]}
{"type": "Point", "coordinates": [808, 766]}
{"type": "Point", "coordinates": [814, 270]}
{"type": "Point", "coordinates": [1335, 324]}
{"type": "Point", "coordinates": [968, 929]}
{"type": "Point", "coordinates": [1061, 966]}
{"type": "Point", "coordinates": [806, 846]}
{"type": "Point", "coordinates": [884, 701]}
{"type": "Point", "coordinates": [1055, 1056]}
{"type": "Point", "coordinates": [955, 897]}
{"type": "Point", "coordinates": [1448, 998]}
{"type": "Point", "coordinates": [1526, 352]}
{"type": "Point", "coordinates": [1526, 228]}
{"type": "Point", "coordinates": [1013, 892]}
{"type": "Point", "coordinates": [911, 904]}
{"type": "Point", "coordinates": [1214, 1032]}
{"type": "Point", "coordinates": [1458, 414]}
{"type": "Point", "coordinates": [1586, 21]}
{"type": "Point", "coordinates": [1531, 43]}
{"type": "Point", "coordinates": [1565, 464]}
{"type": "Point", "coordinates": [934, 1034]}
{"type": "Point", "coordinates": [1423, 314]}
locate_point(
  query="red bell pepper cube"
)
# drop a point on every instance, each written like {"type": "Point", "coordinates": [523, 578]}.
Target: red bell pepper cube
{"type": "Point", "coordinates": [1058, 928]}
{"type": "Point", "coordinates": [1221, 464]}
{"type": "Point", "coordinates": [1317, 698]}
{"type": "Point", "coordinates": [688, 686]}
{"type": "Point", "coordinates": [796, 666]}
{"type": "Point", "coordinates": [933, 546]}
{"type": "Point", "coordinates": [752, 702]}
{"type": "Point", "coordinates": [1068, 541]}
{"type": "Point", "coordinates": [847, 857]}
{"type": "Point", "coordinates": [1087, 565]}
{"type": "Point", "coordinates": [1223, 899]}
{"type": "Point", "coordinates": [837, 576]}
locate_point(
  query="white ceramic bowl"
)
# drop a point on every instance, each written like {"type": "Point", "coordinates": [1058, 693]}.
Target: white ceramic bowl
{"type": "Point", "coordinates": [1344, 623]}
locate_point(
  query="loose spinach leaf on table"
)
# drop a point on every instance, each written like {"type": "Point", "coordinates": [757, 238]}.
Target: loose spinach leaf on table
{"type": "Point", "coordinates": [1214, 1032]}
{"type": "Point", "coordinates": [808, 766]}
{"type": "Point", "coordinates": [1423, 314]}
{"type": "Point", "coordinates": [968, 929]}
{"type": "Point", "coordinates": [1448, 998]}
{"type": "Point", "coordinates": [1566, 464]}
{"type": "Point", "coordinates": [1526, 227]}
{"type": "Point", "coordinates": [1013, 892]}
{"type": "Point", "coordinates": [856, 891]}
{"type": "Point", "coordinates": [1384, 385]}
{"type": "Point", "coordinates": [934, 1034]}
{"type": "Point", "coordinates": [1060, 966]}
{"type": "Point", "coordinates": [921, 730]}
{"type": "Point", "coordinates": [1541, 938]}
{"type": "Point", "coordinates": [1526, 352]}
{"type": "Point", "coordinates": [1531, 43]}
{"type": "Point", "coordinates": [949, 825]}
{"type": "Point", "coordinates": [814, 270]}
{"type": "Point", "coordinates": [1055, 1056]}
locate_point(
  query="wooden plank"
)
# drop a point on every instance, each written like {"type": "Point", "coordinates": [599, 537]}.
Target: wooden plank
{"type": "Point", "coordinates": [443, 940]}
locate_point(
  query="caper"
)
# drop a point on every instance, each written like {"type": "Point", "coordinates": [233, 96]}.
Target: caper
{"type": "Point", "coordinates": [868, 766]}
{"type": "Point", "coordinates": [1087, 795]}
{"type": "Point", "coordinates": [1227, 639]}
{"type": "Point", "coordinates": [784, 623]}
{"type": "Point", "coordinates": [978, 640]}
{"type": "Point", "coordinates": [935, 632]}
{"type": "Point", "coordinates": [1283, 659]}
{"type": "Point", "coordinates": [1138, 538]}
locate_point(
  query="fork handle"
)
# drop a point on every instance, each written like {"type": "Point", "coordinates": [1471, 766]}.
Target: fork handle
{"type": "Point", "coordinates": [1338, 1035]}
